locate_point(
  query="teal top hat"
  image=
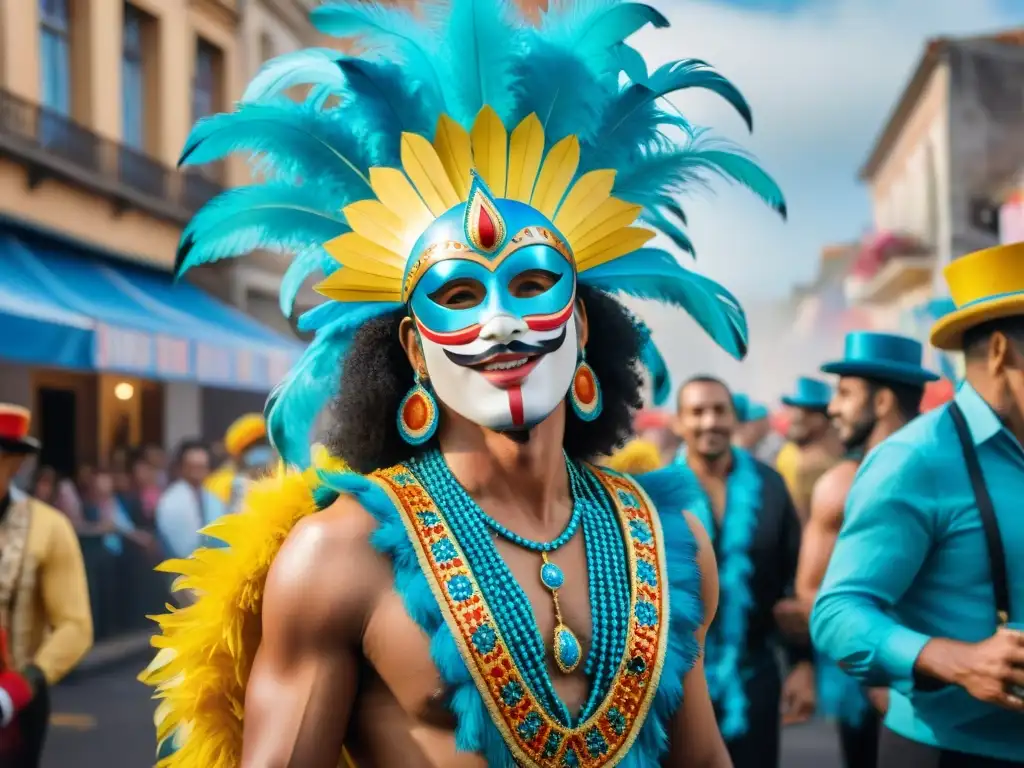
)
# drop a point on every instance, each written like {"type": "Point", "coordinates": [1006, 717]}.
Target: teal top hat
{"type": "Point", "coordinates": [747, 409]}
{"type": "Point", "coordinates": [882, 356]}
{"type": "Point", "coordinates": [812, 394]}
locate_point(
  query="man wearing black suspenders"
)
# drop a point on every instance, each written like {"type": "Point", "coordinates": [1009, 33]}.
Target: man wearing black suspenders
{"type": "Point", "coordinates": [925, 589]}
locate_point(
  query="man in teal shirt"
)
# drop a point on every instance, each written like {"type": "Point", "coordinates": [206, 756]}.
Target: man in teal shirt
{"type": "Point", "coordinates": [910, 596]}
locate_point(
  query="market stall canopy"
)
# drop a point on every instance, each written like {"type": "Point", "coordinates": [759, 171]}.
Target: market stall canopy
{"type": "Point", "coordinates": [68, 307]}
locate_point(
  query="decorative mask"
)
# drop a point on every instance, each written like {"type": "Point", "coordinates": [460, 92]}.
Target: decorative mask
{"type": "Point", "coordinates": [493, 298]}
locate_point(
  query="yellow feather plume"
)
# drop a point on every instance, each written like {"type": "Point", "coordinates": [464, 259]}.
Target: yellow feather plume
{"type": "Point", "coordinates": [397, 193]}
{"type": "Point", "coordinates": [454, 148]}
{"type": "Point", "coordinates": [490, 149]}
{"type": "Point", "coordinates": [620, 243]}
{"type": "Point", "coordinates": [555, 175]}
{"type": "Point", "coordinates": [525, 152]}
{"type": "Point", "coordinates": [206, 650]}
{"type": "Point", "coordinates": [378, 224]}
{"type": "Point", "coordinates": [610, 217]}
{"type": "Point", "coordinates": [350, 285]}
{"type": "Point", "coordinates": [425, 170]}
{"type": "Point", "coordinates": [356, 252]}
{"type": "Point", "coordinates": [589, 191]}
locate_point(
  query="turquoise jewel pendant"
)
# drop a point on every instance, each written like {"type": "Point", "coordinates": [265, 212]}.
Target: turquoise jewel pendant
{"type": "Point", "coordinates": [566, 647]}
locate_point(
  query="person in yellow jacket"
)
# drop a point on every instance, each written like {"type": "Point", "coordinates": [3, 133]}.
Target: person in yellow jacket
{"type": "Point", "coordinates": [249, 454]}
{"type": "Point", "coordinates": [45, 619]}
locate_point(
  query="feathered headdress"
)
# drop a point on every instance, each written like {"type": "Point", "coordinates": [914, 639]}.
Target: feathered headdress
{"type": "Point", "coordinates": [563, 117]}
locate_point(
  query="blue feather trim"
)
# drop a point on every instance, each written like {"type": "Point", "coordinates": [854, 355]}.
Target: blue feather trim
{"type": "Point", "coordinates": [475, 732]}
{"type": "Point", "coordinates": [726, 641]}
{"type": "Point", "coordinates": [667, 489]}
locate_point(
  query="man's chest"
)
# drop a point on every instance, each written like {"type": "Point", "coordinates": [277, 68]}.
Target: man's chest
{"type": "Point", "coordinates": [402, 654]}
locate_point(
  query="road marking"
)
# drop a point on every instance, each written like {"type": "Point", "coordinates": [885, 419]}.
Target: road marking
{"type": "Point", "coordinates": [75, 722]}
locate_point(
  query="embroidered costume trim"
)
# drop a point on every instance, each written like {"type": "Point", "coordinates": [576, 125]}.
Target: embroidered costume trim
{"type": "Point", "coordinates": [533, 736]}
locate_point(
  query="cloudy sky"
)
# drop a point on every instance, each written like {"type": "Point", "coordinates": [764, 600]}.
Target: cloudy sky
{"type": "Point", "coordinates": [821, 77]}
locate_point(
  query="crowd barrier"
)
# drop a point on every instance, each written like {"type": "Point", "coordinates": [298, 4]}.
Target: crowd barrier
{"type": "Point", "coordinates": [123, 587]}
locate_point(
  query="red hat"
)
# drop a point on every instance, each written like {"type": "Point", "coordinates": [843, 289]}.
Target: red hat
{"type": "Point", "coordinates": [14, 425]}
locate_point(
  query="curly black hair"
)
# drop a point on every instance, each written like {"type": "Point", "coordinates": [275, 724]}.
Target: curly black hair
{"type": "Point", "coordinates": [376, 375]}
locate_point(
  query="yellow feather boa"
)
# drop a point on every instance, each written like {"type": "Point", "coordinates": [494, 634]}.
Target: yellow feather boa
{"type": "Point", "coordinates": [206, 650]}
{"type": "Point", "coordinates": [635, 458]}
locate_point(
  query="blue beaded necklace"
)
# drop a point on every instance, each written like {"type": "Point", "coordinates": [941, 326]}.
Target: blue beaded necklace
{"type": "Point", "coordinates": [607, 567]}
{"type": "Point", "coordinates": [566, 647]}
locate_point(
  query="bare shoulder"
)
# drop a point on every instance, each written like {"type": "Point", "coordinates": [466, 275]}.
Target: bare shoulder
{"type": "Point", "coordinates": [327, 574]}
{"type": "Point", "coordinates": [829, 496]}
{"type": "Point", "coordinates": [708, 566]}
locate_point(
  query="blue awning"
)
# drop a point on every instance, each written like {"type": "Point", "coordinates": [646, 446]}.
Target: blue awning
{"type": "Point", "coordinates": [69, 308]}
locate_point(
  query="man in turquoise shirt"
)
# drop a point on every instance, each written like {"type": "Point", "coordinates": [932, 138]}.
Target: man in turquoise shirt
{"type": "Point", "coordinates": [909, 598]}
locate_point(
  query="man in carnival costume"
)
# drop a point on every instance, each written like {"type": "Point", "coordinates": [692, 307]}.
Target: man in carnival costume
{"type": "Point", "coordinates": [474, 592]}
{"type": "Point", "coordinates": [818, 449]}
{"type": "Point", "coordinates": [880, 385]}
{"type": "Point", "coordinates": [744, 505]}
{"type": "Point", "coordinates": [45, 621]}
{"type": "Point", "coordinates": [924, 589]}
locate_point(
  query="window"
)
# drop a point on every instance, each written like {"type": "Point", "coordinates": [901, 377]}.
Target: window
{"type": "Point", "coordinates": [133, 79]}
{"type": "Point", "coordinates": [55, 54]}
{"type": "Point", "coordinates": [206, 80]}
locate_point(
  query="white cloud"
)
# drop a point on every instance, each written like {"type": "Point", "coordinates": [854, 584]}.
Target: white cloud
{"type": "Point", "coordinates": [821, 83]}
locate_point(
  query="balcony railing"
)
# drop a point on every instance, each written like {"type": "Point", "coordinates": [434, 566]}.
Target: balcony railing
{"type": "Point", "coordinates": [50, 144]}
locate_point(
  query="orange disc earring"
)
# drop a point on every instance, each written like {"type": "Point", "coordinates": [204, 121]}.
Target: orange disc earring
{"type": "Point", "coordinates": [585, 392]}
{"type": "Point", "coordinates": [418, 414]}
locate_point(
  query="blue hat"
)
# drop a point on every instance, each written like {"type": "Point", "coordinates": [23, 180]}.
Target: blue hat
{"type": "Point", "coordinates": [812, 394]}
{"type": "Point", "coordinates": [747, 409]}
{"type": "Point", "coordinates": [882, 356]}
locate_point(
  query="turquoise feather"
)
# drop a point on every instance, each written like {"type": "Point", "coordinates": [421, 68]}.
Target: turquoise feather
{"type": "Point", "coordinates": [650, 273]}
{"type": "Point", "coordinates": [655, 219]}
{"type": "Point", "coordinates": [296, 402]}
{"type": "Point", "coordinates": [305, 67]}
{"type": "Point", "coordinates": [292, 140]}
{"type": "Point", "coordinates": [570, 103]}
{"type": "Point", "coordinates": [693, 73]}
{"type": "Point", "coordinates": [389, 33]}
{"type": "Point", "coordinates": [313, 259]}
{"type": "Point", "coordinates": [631, 62]}
{"type": "Point", "coordinates": [657, 370]}
{"type": "Point", "coordinates": [384, 101]}
{"type": "Point", "coordinates": [593, 30]}
{"type": "Point", "coordinates": [656, 178]}
{"type": "Point", "coordinates": [278, 217]}
{"type": "Point", "coordinates": [481, 38]}
{"type": "Point", "coordinates": [325, 314]}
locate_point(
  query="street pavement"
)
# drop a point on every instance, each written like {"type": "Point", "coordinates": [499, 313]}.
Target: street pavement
{"type": "Point", "coordinates": [105, 720]}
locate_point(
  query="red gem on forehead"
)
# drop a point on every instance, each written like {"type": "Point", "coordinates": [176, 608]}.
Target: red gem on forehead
{"type": "Point", "coordinates": [486, 230]}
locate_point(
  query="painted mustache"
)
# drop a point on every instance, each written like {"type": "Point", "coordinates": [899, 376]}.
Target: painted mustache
{"type": "Point", "coordinates": [512, 348]}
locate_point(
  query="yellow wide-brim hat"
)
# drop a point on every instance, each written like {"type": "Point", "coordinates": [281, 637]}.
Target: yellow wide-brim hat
{"type": "Point", "coordinates": [245, 432]}
{"type": "Point", "coordinates": [984, 285]}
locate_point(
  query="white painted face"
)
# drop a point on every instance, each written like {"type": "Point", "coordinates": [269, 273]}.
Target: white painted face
{"type": "Point", "coordinates": [510, 377]}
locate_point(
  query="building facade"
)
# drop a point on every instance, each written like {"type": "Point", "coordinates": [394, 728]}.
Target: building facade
{"type": "Point", "coordinates": [949, 157]}
{"type": "Point", "coordinates": [97, 98]}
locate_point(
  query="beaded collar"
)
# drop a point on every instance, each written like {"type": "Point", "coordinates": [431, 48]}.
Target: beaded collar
{"type": "Point", "coordinates": [497, 646]}
{"type": "Point", "coordinates": [727, 637]}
